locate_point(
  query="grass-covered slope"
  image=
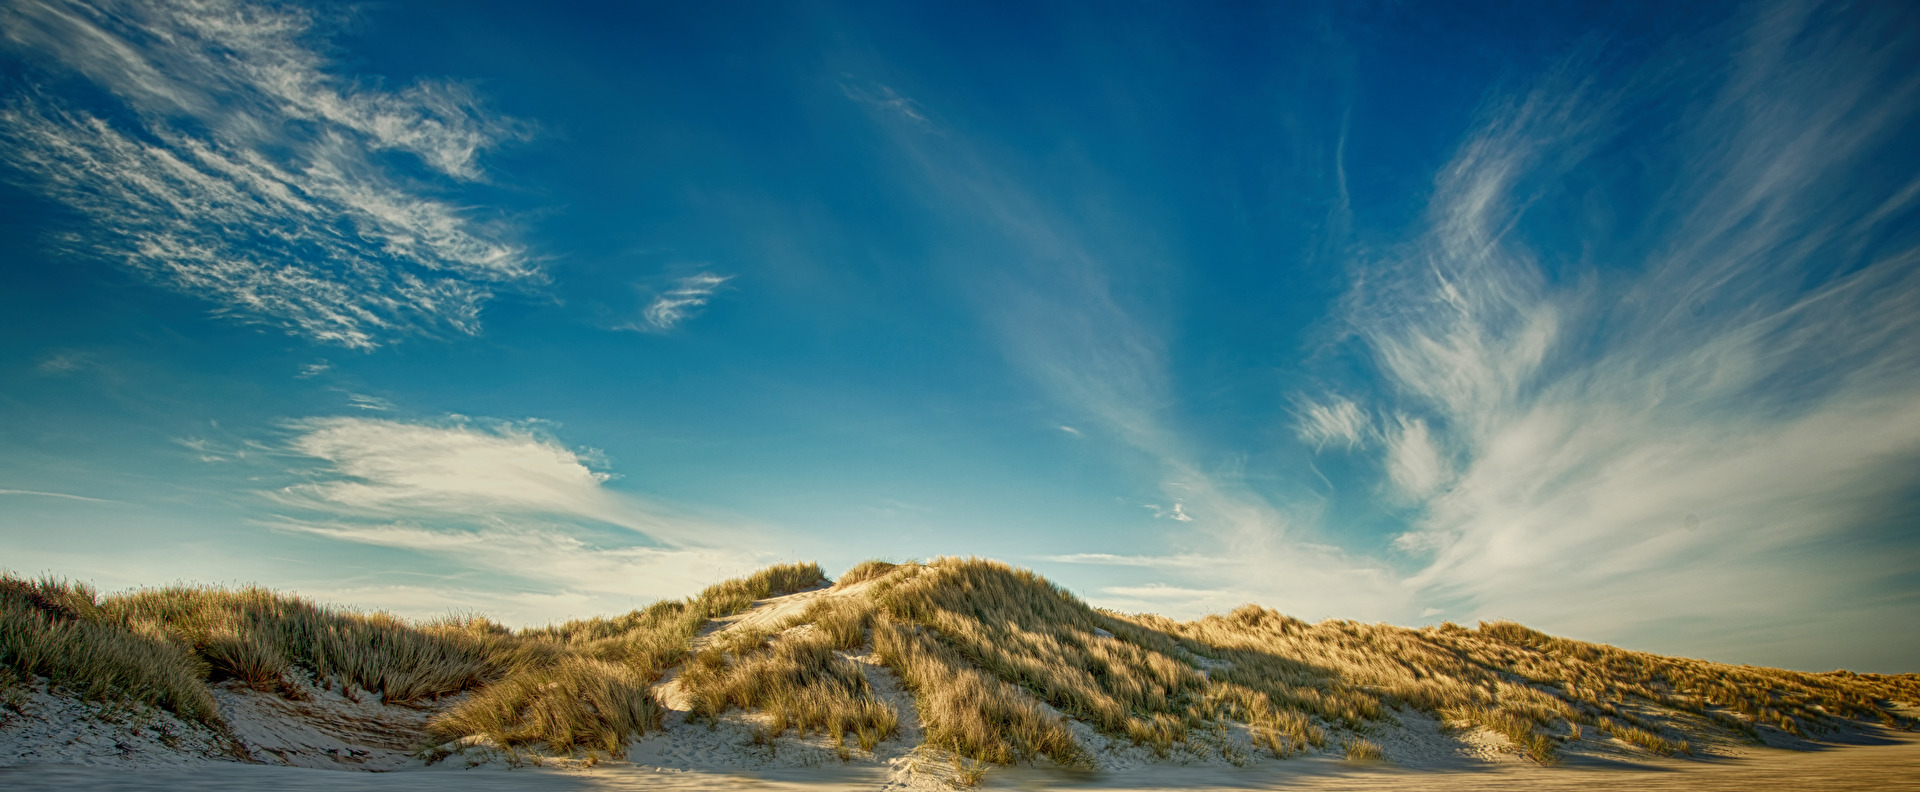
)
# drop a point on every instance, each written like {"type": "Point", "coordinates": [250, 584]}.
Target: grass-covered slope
{"type": "Point", "coordinates": [582, 684]}
{"type": "Point", "coordinates": [1141, 677]}
{"type": "Point", "coordinates": [998, 659]}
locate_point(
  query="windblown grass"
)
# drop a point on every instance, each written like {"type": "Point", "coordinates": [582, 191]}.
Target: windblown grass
{"type": "Point", "coordinates": [801, 681]}
{"type": "Point", "coordinates": [583, 684]}
{"type": "Point", "coordinates": [58, 630]}
{"type": "Point", "coordinates": [967, 711]}
{"type": "Point", "coordinates": [1359, 750]}
{"type": "Point", "coordinates": [578, 685]}
{"type": "Point", "coordinates": [997, 658]}
{"type": "Point", "coordinates": [258, 637]}
{"type": "Point", "coordinates": [1155, 681]}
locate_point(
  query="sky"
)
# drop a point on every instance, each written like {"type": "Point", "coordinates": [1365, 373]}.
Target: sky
{"type": "Point", "coordinates": [1604, 318]}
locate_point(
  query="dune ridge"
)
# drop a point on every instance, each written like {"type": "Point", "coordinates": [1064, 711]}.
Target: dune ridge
{"type": "Point", "coordinates": [928, 674]}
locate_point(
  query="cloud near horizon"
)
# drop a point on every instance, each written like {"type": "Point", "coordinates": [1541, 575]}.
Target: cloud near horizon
{"type": "Point", "coordinates": [237, 168]}
{"type": "Point", "coordinates": [503, 498]}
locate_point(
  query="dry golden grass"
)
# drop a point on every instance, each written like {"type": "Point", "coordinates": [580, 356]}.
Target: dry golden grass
{"type": "Point", "coordinates": [162, 646]}
{"type": "Point", "coordinates": [1291, 680]}
{"type": "Point", "coordinates": [993, 654]}
{"type": "Point", "coordinates": [800, 680]}
{"type": "Point", "coordinates": [57, 630]}
{"type": "Point", "coordinates": [583, 684]}
{"type": "Point", "coordinates": [967, 711]}
{"type": "Point", "coordinates": [257, 636]}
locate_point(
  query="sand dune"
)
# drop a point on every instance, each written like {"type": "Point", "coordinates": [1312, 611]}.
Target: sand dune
{"type": "Point", "coordinates": [309, 734]}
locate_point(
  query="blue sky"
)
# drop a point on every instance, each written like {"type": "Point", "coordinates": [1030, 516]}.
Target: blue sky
{"type": "Point", "coordinates": [1602, 319]}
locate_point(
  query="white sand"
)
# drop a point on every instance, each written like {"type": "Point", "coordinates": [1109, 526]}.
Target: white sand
{"type": "Point", "coordinates": [41, 727]}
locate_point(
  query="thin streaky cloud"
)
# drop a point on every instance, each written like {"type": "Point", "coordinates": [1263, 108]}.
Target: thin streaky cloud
{"type": "Point", "coordinates": [1073, 316]}
{"type": "Point", "coordinates": [680, 303]}
{"type": "Point", "coordinates": [1109, 559]}
{"type": "Point", "coordinates": [244, 158]}
{"type": "Point", "coordinates": [1336, 422]}
{"type": "Point", "coordinates": [361, 401]}
{"type": "Point", "coordinates": [552, 558]}
{"type": "Point", "coordinates": [885, 98]}
{"type": "Point", "coordinates": [61, 495]}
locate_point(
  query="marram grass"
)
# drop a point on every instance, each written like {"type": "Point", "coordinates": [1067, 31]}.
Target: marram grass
{"type": "Point", "coordinates": [997, 660]}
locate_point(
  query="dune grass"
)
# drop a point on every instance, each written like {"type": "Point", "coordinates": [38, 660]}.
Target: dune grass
{"type": "Point", "coordinates": [163, 646]}
{"type": "Point", "coordinates": [258, 637]}
{"type": "Point", "coordinates": [578, 685]}
{"type": "Point", "coordinates": [583, 685]}
{"type": "Point", "coordinates": [1156, 681]}
{"type": "Point", "coordinates": [997, 658]}
{"type": "Point", "coordinates": [1362, 751]}
{"type": "Point", "coordinates": [57, 630]}
{"type": "Point", "coordinates": [801, 681]}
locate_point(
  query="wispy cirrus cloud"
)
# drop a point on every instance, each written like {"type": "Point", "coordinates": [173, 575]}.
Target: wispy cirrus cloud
{"type": "Point", "coordinates": [1077, 307]}
{"type": "Point", "coordinates": [884, 98]}
{"type": "Point", "coordinates": [59, 495]}
{"type": "Point", "coordinates": [1716, 426]}
{"type": "Point", "coordinates": [1159, 562]}
{"type": "Point", "coordinates": [681, 302]}
{"type": "Point", "coordinates": [238, 168]}
{"type": "Point", "coordinates": [1338, 421]}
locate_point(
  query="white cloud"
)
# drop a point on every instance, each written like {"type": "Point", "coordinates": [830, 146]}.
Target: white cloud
{"type": "Point", "coordinates": [1710, 431]}
{"type": "Point", "coordinates": [1109, 559]}
{"type": "Point", "coordinates": [673, 306]}
{"type": "Point", "coordinates": [1167, 599]}
{"type": "Point", "coordinates": [67, 362]}
{"type": "Point", "coordinates": [1339, 422]}
{"type": "Point", "coordinates": [243, 172]}
{"type": "Point", "coordinates": [501, 500]}
{"type": "Point", "coordinates": [885, 98]}
{"type": "Point", "coordinates": [386, 469]}
{"type": "Point", "coordinates": [528, 575]}
{"type": "Point", "coordinates": [60, 495]}
{"type": "Point", "coordinates": [553, 557]}
{"type": "Point", "coordinates": [361, 401]}
{"type": "Point", "coordinates": [1178, 513]}
{"type": "Point", "coordinates": [1413, 463]}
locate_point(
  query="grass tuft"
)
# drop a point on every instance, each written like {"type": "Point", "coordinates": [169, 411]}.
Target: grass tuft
{"type": "Point", "coordinates": [584, 684]}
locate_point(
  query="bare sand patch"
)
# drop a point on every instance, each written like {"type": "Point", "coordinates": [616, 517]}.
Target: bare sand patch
{"type": "Point", "coordinates": [1891, 764]}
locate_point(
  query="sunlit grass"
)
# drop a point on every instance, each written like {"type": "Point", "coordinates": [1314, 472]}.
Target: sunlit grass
{"type": "Point", "coordinates": [998, 660]}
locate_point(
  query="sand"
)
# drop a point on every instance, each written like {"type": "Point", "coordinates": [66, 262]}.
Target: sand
{"type": "Point", "coordinates": [1893, 764]}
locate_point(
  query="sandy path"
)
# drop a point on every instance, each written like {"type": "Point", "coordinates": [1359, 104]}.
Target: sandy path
{"type": "Point", "coordinates": [1894, 765]}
